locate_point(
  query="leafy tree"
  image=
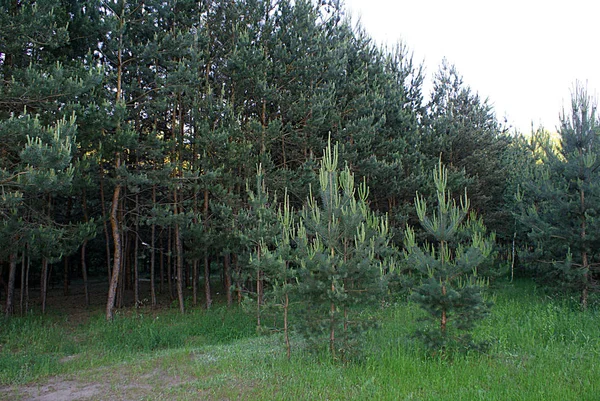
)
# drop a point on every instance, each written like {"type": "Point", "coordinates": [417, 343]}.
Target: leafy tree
{"type": "Point", "coordinates": [450, 293]}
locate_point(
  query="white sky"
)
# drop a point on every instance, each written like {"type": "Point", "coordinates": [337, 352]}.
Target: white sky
{"type": "Point", "coordinates": [523, 55]}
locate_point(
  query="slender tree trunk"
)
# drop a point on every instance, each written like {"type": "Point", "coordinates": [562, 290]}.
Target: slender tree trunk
{"type": "Point", "coordinates": [153, 253]}
{"type": "Point", "coordinates": [207, 294]}
{"type": "Point", "coordinates": [161, 265]}
{"type": "Point", "coordinates": [114, 212]}
{"type": "Point", "coordinates": [27, 281]}
{"type": "Point", "coordinates": [238, 282]}
{"type": "Point", "coordinates": [104, 223]}
{"type": "Point", "coordinates": [44, 283]}
{"type": "Point", "coordinates": [169, 265]}
{"type": "Point", "coordinates": [22, 292]}
{"type": "Point", "coordinates": [207, 291]}
{"type": "Point", "coordinates": [179, 250]}
{"type": "Point", "coordinates": [227, 274]}
{"type": "Point", "coordinates": [136, 248]}
{"type": "Point", "coordinates": [12, 273]}
{"type": "Point", "coordinates": [512, 262]}
{"type": "Point", "coordinates": [195, 282]}
{"type": "Point", "coordinates": [116, 232]}
{"type": "Point", "coordinates": [84, 273]}
{"type": "Point", "coordinates": [66, 265]}
{"type": "Point", "coordinates": [136, 276]}
{"type": "Point", "coordinates": [83, 249]}
{"type": "Point", "coordinates": [259, 290]}
{"type": "Point", "coordinates": [584, 255]}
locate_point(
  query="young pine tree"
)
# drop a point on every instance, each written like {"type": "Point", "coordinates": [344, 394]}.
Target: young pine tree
{"type": "Point", "coordinates": [450, 293]}
{"type": "Point", "coordinates": [340, 246]}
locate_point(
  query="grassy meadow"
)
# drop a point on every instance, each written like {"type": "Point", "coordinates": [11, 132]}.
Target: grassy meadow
{"type": "Point", "coordinates": [540, 349]}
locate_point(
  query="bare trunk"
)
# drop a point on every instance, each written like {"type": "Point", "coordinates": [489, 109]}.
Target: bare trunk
{"type": "Point", "coordinates": [195, 282]}
{"type": "Point", "coordinates": [136, 249]}
{"type": "Point", "coordinates": [584, 255]}
{"type": "Point", "coordinates": [104, 220]}
{"type": "Point", "coordinates": [170, 265]}
{"type": "Point", "coordinates": [512, 262]}
{"type": "Point", "coordinates": [22, 292]}
{"type": "Point", "coordinates": [227, 274]}
{"type": "Point", "coordinates": [83, 249]}
{"type": "Point", "coordinates": [444, 316]}
{"type": "Point", "coordinates": [27, 268]}
{"type": "Point", "coordinates": [258, 289]}
{"type": "Point", "coordinates": [153, 254]}
{"type": "Point", "coordinates": [238, 283]}
{"type": "Point", "coordinates": [161, 266]}
{"type": "Point", "coordinates": [136, 277]}
{"type": "Point", "coordinates": [66, 265]}
{"type": "Point", "coordinates": [66, 276]}
{"type": "Point", "coordinates": [44, 283]}
{"type": "Point", "coordinates": [179, 259]}
{"type": "Point", "coordinates": [10, 293]}
{"type": "Point", "coordinates": [116, 232]}
{"type": "Point", "coordinates": [207, 291]}
{"type": "Point", "coordinates": [84, 273]}
{"type": "Point", "coordinates": [207, 294]}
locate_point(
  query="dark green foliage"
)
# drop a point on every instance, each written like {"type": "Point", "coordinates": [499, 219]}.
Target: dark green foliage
{"type": "Point", "coordinates": [560, 202]}
{"type": "Point", "coordinates": [462, 129]}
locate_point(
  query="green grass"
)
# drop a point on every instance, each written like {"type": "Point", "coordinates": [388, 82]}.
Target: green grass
{"type": "Point", "coordinates": [540, 349]}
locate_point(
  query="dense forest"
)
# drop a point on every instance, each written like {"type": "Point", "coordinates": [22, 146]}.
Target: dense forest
{"type": "Point", "coordinates": [270, 151]}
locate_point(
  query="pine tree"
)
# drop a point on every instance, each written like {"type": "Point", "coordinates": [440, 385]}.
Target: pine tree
{"type": "Point", "coordinates": [450, 293]}
{"type": "Point", "coordinates": [463, 129]}
{"type": "Point", "coordinates": [341, 269]}
{"type": "Point", "coordinates": [560, 204]}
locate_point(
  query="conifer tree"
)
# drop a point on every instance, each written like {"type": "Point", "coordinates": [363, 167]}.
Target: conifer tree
{"type": "Point", "coordinates": [560, 204]}
{"type": "Point", "coordinates": [340, 246]}
{"type": "Point", "coordinates": [462, 128]}
{"type": "Point", "coordinates": [450, 293]}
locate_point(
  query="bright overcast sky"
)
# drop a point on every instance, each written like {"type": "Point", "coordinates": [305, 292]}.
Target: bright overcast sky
{"type": "Point", "coordinates": [523, 55]}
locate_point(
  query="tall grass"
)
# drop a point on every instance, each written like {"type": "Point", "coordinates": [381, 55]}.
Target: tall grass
{"type": "Point", "coordinates": [539, 349]}
{"type": "Point", "coordinates": [35, 346]}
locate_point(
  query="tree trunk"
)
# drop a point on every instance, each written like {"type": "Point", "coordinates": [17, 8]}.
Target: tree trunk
{"type": "Point", "coordinates": [44, 283]}
{"type": "Point", "coordinates": [66, 258]}
{"type": "Point", "coordinates": [179, 250]}
{"type": "Point", "coordinates": [195, 282]}
{"type": "Point", "coordinates": [84, 273]}
{"type": "Point", "coordinates": [22, 292]}
{"type": "Point", "coordinates": [238, 282]}
{"type": "Point", "coordinates": [104, 219]}
{"type": "Point", "coordinates": [227, 274]}
{"type": "Point", "coordinates": [207, 291]}
{"type": "Point", "coordinates": [10, 293]}
{"type": "Point", "coordinates": [584, 255]}
{"type": "Point", "coordinates": [169, 265]}
{"type": "Point", "coordinates": [83, 249]}
{"type": "Point", "coordinates": [207, 294]}
{"type": "Point", "coordinates": [153, 254]}
{"type": "Point", "coordinates": [114, 223]}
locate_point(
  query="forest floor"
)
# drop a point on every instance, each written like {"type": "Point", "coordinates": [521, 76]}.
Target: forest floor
{"type": "Point", "coordinates": [541, 348]}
